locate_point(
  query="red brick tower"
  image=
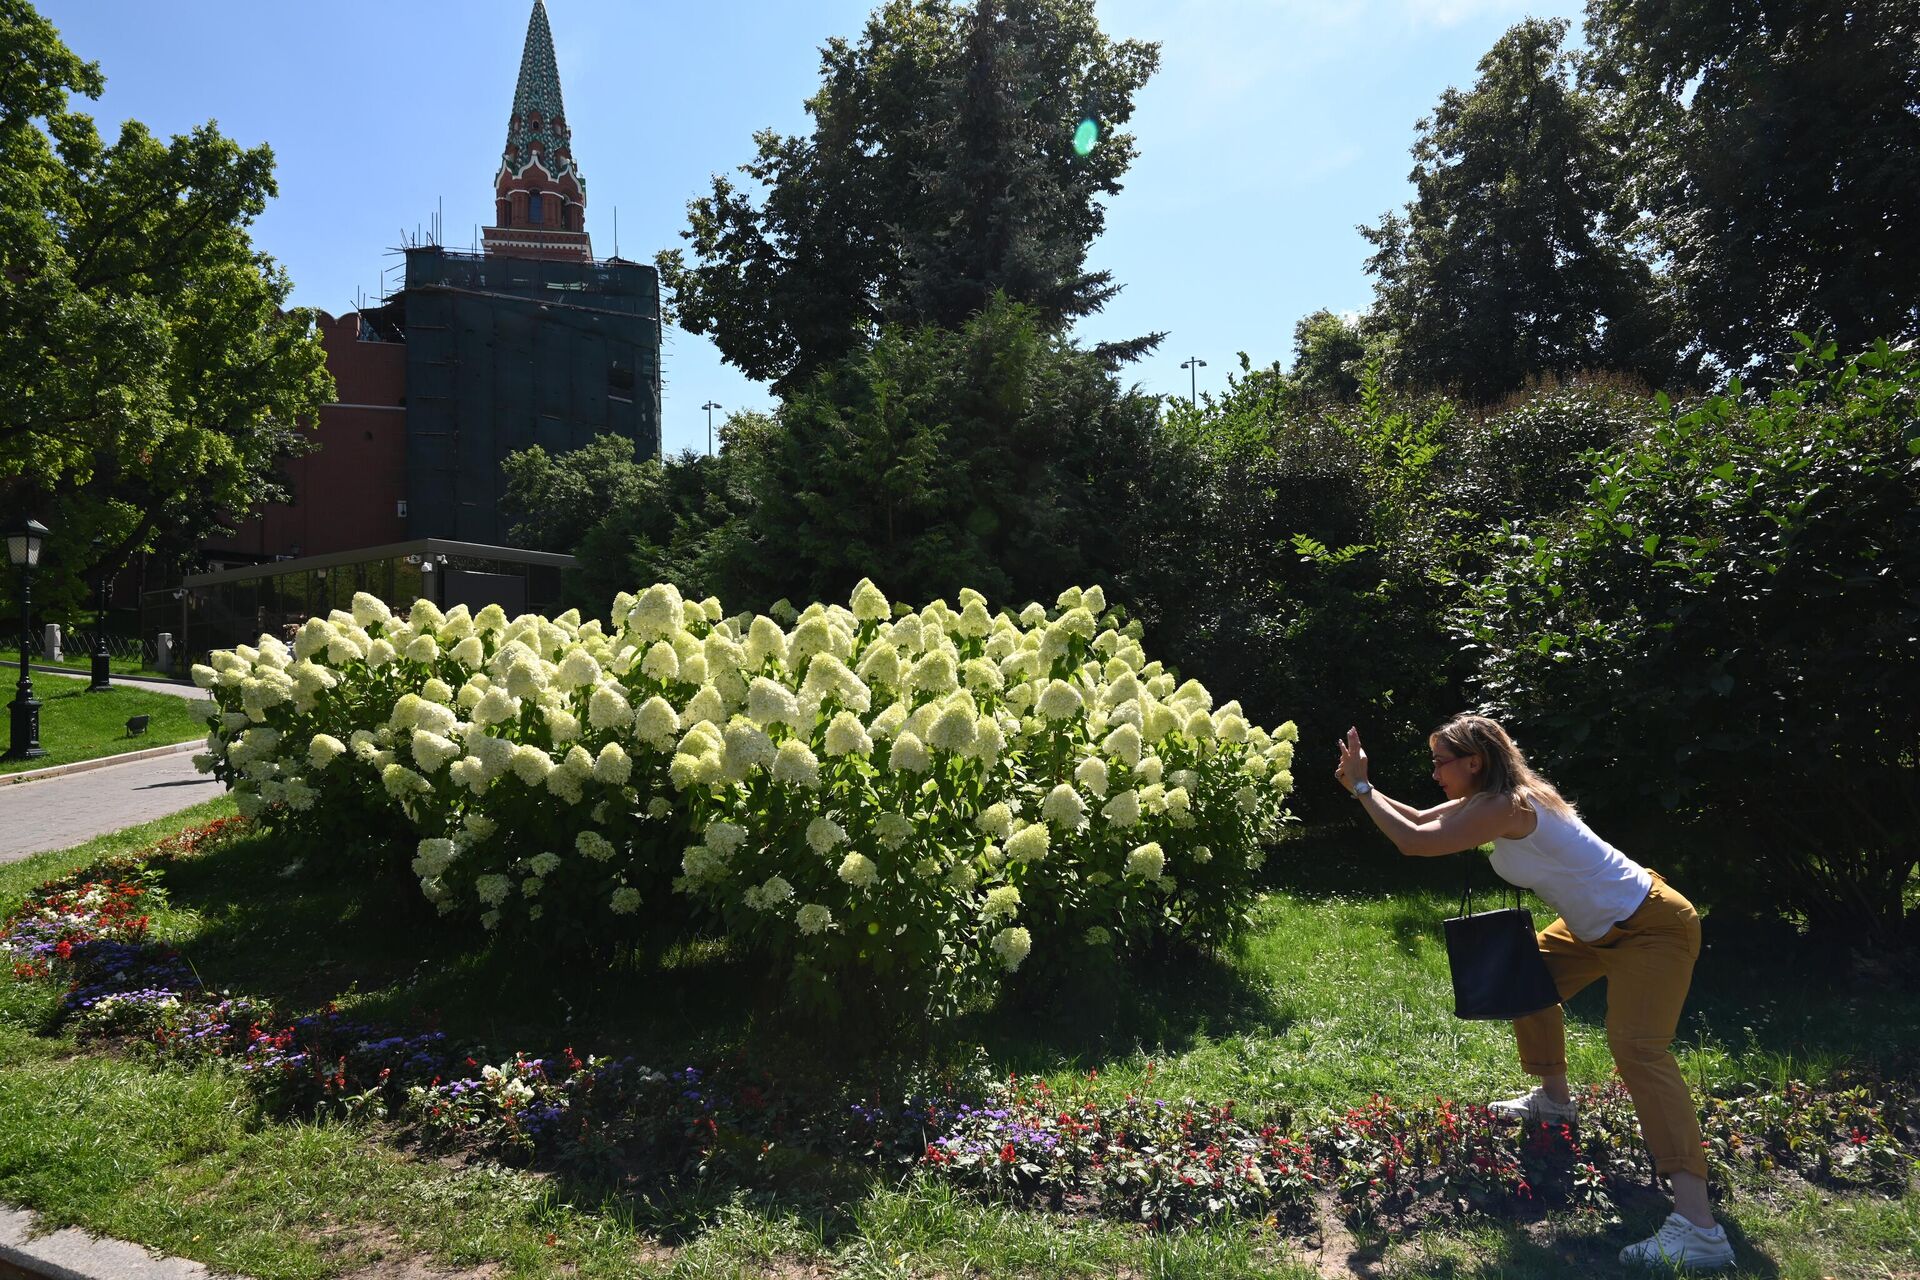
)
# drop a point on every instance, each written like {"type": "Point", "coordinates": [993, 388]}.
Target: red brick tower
{"type": "Point", "coordinates": [540, 200]}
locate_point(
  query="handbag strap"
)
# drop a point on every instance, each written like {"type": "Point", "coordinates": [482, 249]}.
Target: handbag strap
{"type": "Point", "coordinates": [1466, 892]}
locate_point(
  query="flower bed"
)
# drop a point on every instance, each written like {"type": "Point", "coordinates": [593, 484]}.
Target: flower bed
{"type": "Point", "coordinates": [1163, 1162]}
{"type": "Point", "coordinates": [886, 799]}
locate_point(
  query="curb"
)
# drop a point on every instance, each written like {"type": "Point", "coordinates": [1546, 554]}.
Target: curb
{"type": "Point", "coordinates": [100, 762]}
{"type": "Point", "coordinates": [73, 1254]}
{"type": "Point", "coordinates": [115, 675]}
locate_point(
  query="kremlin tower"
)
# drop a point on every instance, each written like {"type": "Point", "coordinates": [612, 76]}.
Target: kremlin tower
{"type": "Point", "coordinates": [539, 197]}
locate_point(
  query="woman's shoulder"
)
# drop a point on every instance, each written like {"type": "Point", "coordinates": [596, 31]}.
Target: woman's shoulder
{"type": "Point", "coordinates": [1523, 814]}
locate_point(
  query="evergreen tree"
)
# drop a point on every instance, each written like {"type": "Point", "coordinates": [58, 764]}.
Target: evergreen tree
{"type": "Point", "coordinates": [1503, 266]}
{"type": "Point", "coordinates": [941, 169]}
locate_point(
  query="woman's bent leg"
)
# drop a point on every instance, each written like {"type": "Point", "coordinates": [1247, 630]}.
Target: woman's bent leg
{"type": "Point", "coordinates": [1648, 973]}
{"type": "Point", "coordinates": [1542, 1036]}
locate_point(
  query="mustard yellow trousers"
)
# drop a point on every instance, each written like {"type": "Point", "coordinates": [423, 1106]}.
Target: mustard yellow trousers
{"type": "Point", "coordinates": [1647, 960]}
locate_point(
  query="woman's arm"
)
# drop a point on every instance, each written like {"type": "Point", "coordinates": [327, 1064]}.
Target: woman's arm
{"type": "Point", "coordinates": [1447, 828]}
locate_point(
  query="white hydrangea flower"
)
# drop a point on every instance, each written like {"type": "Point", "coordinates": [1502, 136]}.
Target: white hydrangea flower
{"type": "Point", "coordinates": [1096, 936]}
{"type": "Point", "coordinates": [402, 782]}
{"type": "Point", "coordinates": [656, 723]}
{"type": "Point", "coordinates": [591, 844]}
{"type": "Point", "coordinates": [1124, 809]}
{"type": "Point", "coordinates": [846, 736]}
{"type": "Point", "coordinates": [625, 901]}
{"type": "Point", "coordinates": [748, 748]}
{"type": "Point", "coordinates": [1124, 745]}
{"type": "Point", "coordinates": [769, 704]}
{"type": "Point", "coordinates": [1147, 862]}
{"type": "Point", "coordinates": [893, 829]}
{"type": "Point", "coordinates": [492, 889]}
{"type": "Point", "coordinates": [765, 897]}
{"type": "Point", "coordinates": [707, 704]}
{"type": "Point", "coordinates": [1092, 774]}
{"type": "Point", "coordinates": [962, 877]}
{"type": "Point", "coordinates": [324, 749]}
{"type": "Point", "coordinates": [927, 868]}
{"type": "Point", "coordinates": [543, 864]}
{"type": "Point", "coordinates": [1012, 946]}
{"type": "Point", "coordinates": [661, 662]}
{"type": "Point", "coordinates": [1060, 701]}
{"type": "Point", "coordinates": [422, 649]}
{"type": "Point", "coordinates": [1064, 808]}
{"type": "Point", "coordinates": [530, 764]}
{"type": "Point", "coordinates": [1003, 903]}
{"type": "Point", "coordinates": [496, 706]}
{"type": "Point", "coordinates": [1158, 720]}
{"type": "Point", "coordinates": [1028, 844]}
{"type": "Point", "coordinates": [608, 709]}
{"type": "Point", "coordinates": [996, 820]}
{"type": "Point", "coordinates": [1033, 615]}
{"type": "Point", "coordinates": [881, 665]}
{"type": "Point", "coordinates": [562, 725]}
{"type": "Point", "coordinates": [702, 864]}
{"type": "Point", "coordinates": [954, 730]}
{"type": "Point", "coordinates": [796, 765]}
{"type": "Point", "coordinates": [369, 609]}
{"type": "Point", "coordinates": [431, 751]}
{"type": "Point", "coordinates": [1149, 770]}
{"type": "Point", "coordinates": [613, 765]}
{"type": "Point", "coordinates": [936, 673]}
{"type": "Point", "coordinates": [974, 620]}
{"type": "Point", "coordinates": [1288, 732]}
{"type": "Point", "coordinates": [908, 755]}
{"type": "Point", "coordinates": [869, 603]}
{"type": "Point", "coordinates": [813, 918]}
{"type": "Point", "coordinates": [824, 834]}
{"type": "Point", "coordinates": [659, 611]}
{"type": "Point", "coordinates": [857, 869]}
{"type": "Point", "coordinates": [469, 652]}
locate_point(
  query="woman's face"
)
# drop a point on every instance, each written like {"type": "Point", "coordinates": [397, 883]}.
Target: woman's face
{"type": "Point", "coordinates": [1458, 775]}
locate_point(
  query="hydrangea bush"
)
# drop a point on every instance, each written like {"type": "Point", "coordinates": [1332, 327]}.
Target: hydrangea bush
{"type": "Point", "coordinates": [923, 796]}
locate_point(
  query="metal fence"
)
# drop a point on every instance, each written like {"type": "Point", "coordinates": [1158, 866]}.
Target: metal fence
{"type": "Point", "coordinates": [77, 646]}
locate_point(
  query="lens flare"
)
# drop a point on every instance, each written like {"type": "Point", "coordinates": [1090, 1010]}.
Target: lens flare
{"type": "Point", "coordinates": [1086, 136]}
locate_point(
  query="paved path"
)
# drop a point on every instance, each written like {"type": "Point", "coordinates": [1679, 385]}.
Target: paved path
{"type": "Point", "coordinates": [58, 813]}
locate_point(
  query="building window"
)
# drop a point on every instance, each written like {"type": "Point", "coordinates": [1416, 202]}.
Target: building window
{"type": "Point", "coordinates": [535, 215]}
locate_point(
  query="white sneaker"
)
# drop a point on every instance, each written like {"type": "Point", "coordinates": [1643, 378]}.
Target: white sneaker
{"type": "Point", "coordinates": [1535, 1107]}
{"type": "Point", "coordinates": [1681, 1245]}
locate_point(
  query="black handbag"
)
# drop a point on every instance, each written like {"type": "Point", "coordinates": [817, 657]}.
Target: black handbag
{"type": "Point", "coordinates": [1498, 972]}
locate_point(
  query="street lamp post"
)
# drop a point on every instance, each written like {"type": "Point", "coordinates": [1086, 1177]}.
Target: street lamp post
{"type": "Point", "coordinates": [710, 406]}
{"type": "Point", "coordinates": [23, 552]}
{"type": "Point", "coordinates": [101, 662]}
{"type": "Point", "coordinates": [1193, 365]}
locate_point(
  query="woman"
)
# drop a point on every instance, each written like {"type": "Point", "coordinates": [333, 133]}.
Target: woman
{"type": "Point", "coordinates": [1618, 921]}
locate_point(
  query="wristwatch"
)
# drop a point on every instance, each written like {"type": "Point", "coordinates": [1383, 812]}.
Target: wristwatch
{"type": "Point", "coordinates": [1361, 788]}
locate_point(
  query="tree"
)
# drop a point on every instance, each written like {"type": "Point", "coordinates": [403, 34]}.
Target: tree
{"type": "Point", "coordinates": [1731, 605]}
{"type": "Point", "coordinates": [1774, 161]}
{"type": "Point", "coordinates": [986, 457]}
{"type": "Point", "coordinates": [941, 169]}
{"type": "Point", "coordinates": [556, 499]}
{"type": "Point", "coordinates": [1328, 355]}
{"type": "Point", "coordinates": [153, 375]}
{"type": "Point", "coordinates": [1503, 266]}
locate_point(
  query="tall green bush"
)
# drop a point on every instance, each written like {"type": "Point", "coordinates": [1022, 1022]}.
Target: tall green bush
{"type": "Point", "coordinates": [1728, 624]}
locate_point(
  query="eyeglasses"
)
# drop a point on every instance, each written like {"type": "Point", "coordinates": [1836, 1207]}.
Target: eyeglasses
{"type": "Point", "coordinates": [1439, 761]}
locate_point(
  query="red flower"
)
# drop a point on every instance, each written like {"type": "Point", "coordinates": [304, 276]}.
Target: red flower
{"type": "Point", "coordinates": [1008, 1155]}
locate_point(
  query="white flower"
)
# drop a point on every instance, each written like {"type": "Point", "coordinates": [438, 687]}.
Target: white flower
{"type": "Point", "coordinates": [828, 677]}
{"type": "Point", "coordinates": [658, 612]}
{"type": "Point", "coordinates": [1064, 808]}
{"type": "Point", "coordinates": [880, 665]}
{"type": "Point", "coordinates": [893, 829]}
{"type": "Point", "coordinates": [813, 918]}
{"type": "Point", "coordinates": [823, 834]}
{"type": "Point", "coordinates": [469, 652]}
{"type": "Point", "coordinates": [796, 765]}
{"type": "Point", "coordinates": [707, 704]}
{"type": "Point", "coordinates": [1012, 946]}
{"type": "Point", "coordinates": [770, 704]}
{"type": "Point", "coordinates": [1199, 726]}
{"type": "Point", "coordinates": [1177, 801]}
{"type": "Point", "coordinates": [846, 736]}
{"type": "Point", "coordinates": [766, 642]}
{"type": "Point", "coordinates": [1288, 732]}
{"type": "Point", "coordinates": [702, 864]}
{"type": "Point", "coordinates": [857, 869]}
{"type": "Point", "coordinates": [1124, 809]}
{"type": "Point", "coordinates": [625, 901]}
{"type": "Point", "coordinates": [434, 690]}
{"type": "Point", "coordinates": [661, 662]}
{"type": "Point", "coordinates": [544, 864]}
{"type": "Point", "coordinates": [747, 748]}
{"type": "Point", "coordinates": [608, 709]}
{"type": "Point", "coordinates": [422, 649]}
{"type": "Point", "coordinates": [368, 610]}
{"type": "Point", "coordinates": [908, 755]}
{"type": "Point", "coordinates": [953, 731]}
{"type": "Point", "coordinates": [401, 781]}
{"type": "Point", "coordinates": [1092, 774]}
{"type": "Point", "coordinates": [1003, 903]}
{"type": "Point", "coordinates": [530, 764]}
{"type": "Point", "coordinates": [1149, 770]}
{"type": "Point", "coordinates": [430, 750]}
{"type": "Point", "coordinates": [592, 844]}
{"type": "Point", "coordinates": [324, 750]}
{"type": "Point", "coordinates": [869, 604]}
{"type": "Point", "coordinates": [1147, 861]}
{"type": "Point", "coordinates": [1096, 936]}
{"type": "Point", "coordinates": [656, 723]}
{"type": "Point", "coordinates": [613, 765]}
{"type": "Point", "coordinates": [492, 889]}
{"type": "Point", "coordinates": [1059, 700]}
{"type": "Point", "coordinates": [496, 706]}
{"type": "Point", "coordinates": [935, 672]}
{"type": "Point", "coordinates": [962, 877]}
{"type": "Point", "coordinates": [725, 837]}
{"type": "Point", "coordinates": [765, 897]}
{"type": "Point", "coordinates": [927, 868]}
{"type": "Point", "coordinates": [1028, 844]}
{"type": "Point", "coordinates": [996, 820]}
{"type": "Point", "coordinates": [888, 722]}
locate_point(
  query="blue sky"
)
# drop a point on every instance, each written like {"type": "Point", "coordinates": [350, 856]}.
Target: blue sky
{"type": "Point", "coordinates": [1272, 129]}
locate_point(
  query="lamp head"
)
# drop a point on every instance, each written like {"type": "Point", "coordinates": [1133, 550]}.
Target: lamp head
{"type": "Point", "coordinates": [24, 541]}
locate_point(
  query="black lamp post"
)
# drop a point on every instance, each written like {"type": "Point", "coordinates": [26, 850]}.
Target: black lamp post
{"type": "Point", "coordinates": [710, 406]}
{"type": "Point", "coordinates": [1193, 365]}
{"type": "Point", "coordinates": [101, 683]}
{"type": "Point", "coordinates": [23, 552]}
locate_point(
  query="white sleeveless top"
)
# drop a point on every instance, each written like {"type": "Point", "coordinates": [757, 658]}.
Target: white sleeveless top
{"type": "Point", "coordinates": [1588, 881]}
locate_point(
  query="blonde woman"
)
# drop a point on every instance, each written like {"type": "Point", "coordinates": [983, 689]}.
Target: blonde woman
{"type": "Point", "coordinates": [1618, 921]}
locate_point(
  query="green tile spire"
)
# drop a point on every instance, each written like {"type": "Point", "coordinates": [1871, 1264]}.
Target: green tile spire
{"type": "Point", "coordinates": [539, 119]}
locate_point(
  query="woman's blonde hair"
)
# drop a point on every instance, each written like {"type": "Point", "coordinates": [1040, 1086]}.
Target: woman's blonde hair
{"type": "Point", "coordinates": [1507, 772]}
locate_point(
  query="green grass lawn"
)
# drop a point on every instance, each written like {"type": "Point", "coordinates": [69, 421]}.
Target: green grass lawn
{"type": "Point", "coordinates": [1340, 992]}
{"type": "Point", "coordinates": [77, 725]}
{"type": "Point", "coordinates": [10, 657]}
